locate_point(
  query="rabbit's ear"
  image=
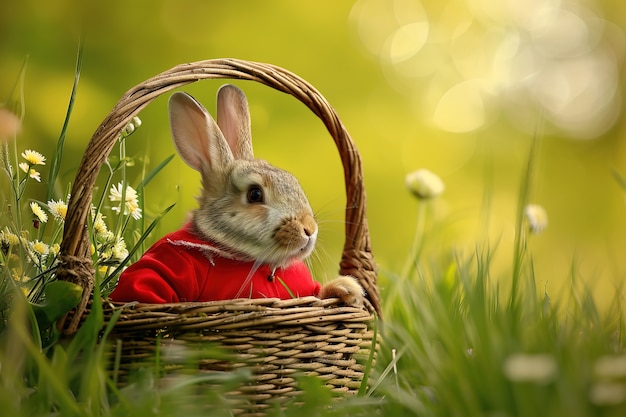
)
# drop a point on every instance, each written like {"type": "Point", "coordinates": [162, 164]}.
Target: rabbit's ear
{"type": "Point", "coordinates": [233, 118]}
{"type": "Point", "coordinates": [197, 137]}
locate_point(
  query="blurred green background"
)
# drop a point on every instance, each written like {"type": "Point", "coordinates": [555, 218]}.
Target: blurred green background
{"type": "Point", "coordinates": [456, 87]}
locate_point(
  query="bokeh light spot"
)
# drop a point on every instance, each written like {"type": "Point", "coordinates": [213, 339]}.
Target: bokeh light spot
{"type": "Point", "coordinates": [461, 108]}
{"type": "Point", "coordinates": [407, 41]}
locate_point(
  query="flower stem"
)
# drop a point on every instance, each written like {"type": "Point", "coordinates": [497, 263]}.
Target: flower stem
{"type": "Point", "coordinates": [418, 241]}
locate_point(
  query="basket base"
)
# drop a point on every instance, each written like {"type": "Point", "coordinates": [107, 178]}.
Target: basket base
{"type": "Point", "coordinates": [254, 353]}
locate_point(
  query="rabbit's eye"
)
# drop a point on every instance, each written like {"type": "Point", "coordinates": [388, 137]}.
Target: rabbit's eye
{"type": "Point", "coordinates": [255, 194]}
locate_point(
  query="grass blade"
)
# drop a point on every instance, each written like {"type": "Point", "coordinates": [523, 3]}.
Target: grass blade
{"type": "Point", "coordinates": [520, 241]}
{"type": "Point", "coordinates": [58, 156]}
{"type": "Point", "coordinates": [154, 172]}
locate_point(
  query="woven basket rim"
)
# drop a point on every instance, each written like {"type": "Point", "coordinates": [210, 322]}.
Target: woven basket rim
{"type": "Point", "coordinates": [74, 259]}
{"type": "Point", "coordinates": [243, 313]}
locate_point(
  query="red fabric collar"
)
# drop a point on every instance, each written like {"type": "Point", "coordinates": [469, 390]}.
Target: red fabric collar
{"type": "Point", "coordinates": [183, 267]}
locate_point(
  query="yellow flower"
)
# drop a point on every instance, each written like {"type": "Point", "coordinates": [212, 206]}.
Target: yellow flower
{"type": "Point", "coordinates": [38, 211]}
{"type": "Point", "coordinates": [19, 276]}
{"type": "Point", "coordinates": [8, 238]}
{"type": "Point", "coordinates": [34, 175]}
{"type": "Point", "coordinates": [54, 249]}
{"type": "Point", "coordinates": [40, 248]}
{"type": "Point", "coordinates": [130, 200]}
{"type": "Point", "coordinates": [34, 157]}
{"type": "Point", "coordinates": [38, 252]}
{"type": "Point", "coordinates": [99, 226]}
{"type": "Point", "coordinates": [58, 209]}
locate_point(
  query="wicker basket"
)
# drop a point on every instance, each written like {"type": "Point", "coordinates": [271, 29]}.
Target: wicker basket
{"type": "Point", "coordinates": [275, 338]}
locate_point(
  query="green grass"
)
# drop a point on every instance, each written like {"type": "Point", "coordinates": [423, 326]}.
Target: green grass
{"type": "Point", "coordinates": [460, 350]}
{"type": "Point", "coordinates": [463, 350]}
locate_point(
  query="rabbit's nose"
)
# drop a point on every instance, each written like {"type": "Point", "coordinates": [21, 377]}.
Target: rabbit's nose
{"type": "Point", "coordinates": [309, 225]}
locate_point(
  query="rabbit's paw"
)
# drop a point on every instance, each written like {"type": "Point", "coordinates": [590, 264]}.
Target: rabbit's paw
{"type": "Point", "coordinates": [346, 288]}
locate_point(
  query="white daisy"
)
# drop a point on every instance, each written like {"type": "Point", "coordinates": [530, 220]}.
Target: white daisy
{"type": "Point", "coordinates": [130, 200]}
{"type": "Point", "coordinates": [38, 211]}
{"type": "Point", "coordinates": [58, 209]}
{"type": "Point", "coordinates": [537, 218]}
{"type": "Point", "coordinates": [424, 184]}
{"type": "Point", "coordinates": [34, 157]}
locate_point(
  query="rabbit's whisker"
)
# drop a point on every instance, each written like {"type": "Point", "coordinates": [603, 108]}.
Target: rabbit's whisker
{"type": "Point", "coordinates": [246, 282]}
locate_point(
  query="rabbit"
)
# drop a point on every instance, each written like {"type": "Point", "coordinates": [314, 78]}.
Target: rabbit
{"type": "Point", "coordinates": [253, 227]}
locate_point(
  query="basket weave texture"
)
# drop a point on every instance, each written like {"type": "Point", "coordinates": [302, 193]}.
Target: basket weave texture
{"type": "Point", "coordinates": [276, 337]}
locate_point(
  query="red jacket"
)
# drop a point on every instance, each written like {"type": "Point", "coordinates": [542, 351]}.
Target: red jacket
{"type": "Point", "coordinates": [182, 267]}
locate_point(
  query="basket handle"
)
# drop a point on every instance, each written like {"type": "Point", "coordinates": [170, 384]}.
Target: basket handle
{"type": "Point", "coordinates": [74, 260]}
